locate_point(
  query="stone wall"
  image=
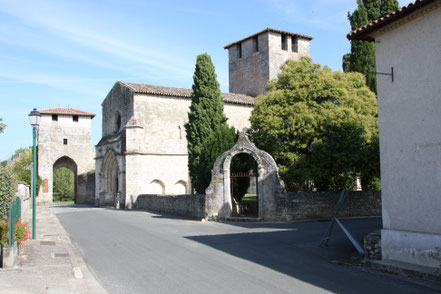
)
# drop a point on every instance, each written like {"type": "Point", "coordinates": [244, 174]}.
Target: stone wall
{"type": "Point", "coordinates": [322, 205]}
{"type": "Point", "coordinates": [86, 189]}
{"type": "Point", "coordinates": [192, 206]}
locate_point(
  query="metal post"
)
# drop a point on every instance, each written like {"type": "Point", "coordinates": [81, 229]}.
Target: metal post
{"type": "Point", "coordinates": [34, 180]}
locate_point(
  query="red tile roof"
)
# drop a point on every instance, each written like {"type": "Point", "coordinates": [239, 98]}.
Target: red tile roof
{"type": "Point", "coordinates": [66, 111]}
{"type": "Point", "coordinates": [185, 93]}
{"type": "Point", "coordinates": [364, 33]}
{"type": "Point", "coordinates": [269, 30]}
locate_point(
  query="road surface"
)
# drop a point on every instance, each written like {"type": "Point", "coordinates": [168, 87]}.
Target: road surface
{"type": "Point", "coordinates": [140, 252]}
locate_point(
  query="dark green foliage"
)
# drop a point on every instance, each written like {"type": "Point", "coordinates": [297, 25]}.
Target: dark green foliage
{"type": "Point", "coordinates": [64, 185]}
{"type": "Point", "coordinates": [2, 126]}
{"type": "Point", "coordinates": [205, 117]}
{"type": "Point", "coordinates": [362, 56]}
{"type": "Point", "coordinates": [22, 166]}
{"type": "Point", "coordinates": [242, 163]}
{"type": "Point", "coordinates": [320, 126]}
{"type": "Point", "coordinates": [389, 6]}
{"type": "Point", "coordinates": [4, 233]}
{"type": "Point", "coordinates": [217, 143]}
{"type": "Point", "coordinates": [8, 188]}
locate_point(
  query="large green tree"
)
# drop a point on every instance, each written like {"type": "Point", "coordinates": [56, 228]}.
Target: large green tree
{"type": "Point", "coordinates": [362, 56]}
{"type": "Point", "coordinates": [206, 118]}
{"type": "Point", "coordinates": [321, 127]}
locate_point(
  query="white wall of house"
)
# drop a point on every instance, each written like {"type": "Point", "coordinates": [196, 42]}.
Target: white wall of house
{"type": "Point", "coordinates": [410, 136]}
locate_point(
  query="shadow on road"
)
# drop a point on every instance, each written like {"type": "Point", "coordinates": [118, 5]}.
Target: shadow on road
{"type": "Point", "coordinates": [295, 251]}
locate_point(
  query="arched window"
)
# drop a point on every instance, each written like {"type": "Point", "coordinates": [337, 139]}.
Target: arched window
{"type": "Point", "coordinates": [156, 187]}
{"type": "Point", "coordinates": [180, 188]}
{"type": "Point", "coordinates": [117, 122]}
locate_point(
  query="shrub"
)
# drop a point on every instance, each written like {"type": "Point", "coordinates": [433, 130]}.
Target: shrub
{"type": "Point", "coordinates": [4, 234]}
{"type": "Point", "coordinates": [8, 188]}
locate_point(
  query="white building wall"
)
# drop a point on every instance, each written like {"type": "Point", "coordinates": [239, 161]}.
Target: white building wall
{"type": "Point", "coordinates": [410, 137]}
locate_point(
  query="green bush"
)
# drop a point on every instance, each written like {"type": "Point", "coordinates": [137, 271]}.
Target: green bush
{"type": "Point", "coordinates": [8, 188]}
{"type": "Point", "coordinates": [4, 233]}
{"type": "Point", "coordinates": [64, 185]}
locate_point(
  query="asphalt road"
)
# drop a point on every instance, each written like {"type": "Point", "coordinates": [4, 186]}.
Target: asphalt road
{"type": "Point", "coordinates": [141, 252]}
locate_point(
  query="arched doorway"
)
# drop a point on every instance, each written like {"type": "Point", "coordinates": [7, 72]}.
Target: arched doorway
{"type": "Point", "coordinates": [110, 178]}
{"type": "Point", "coordinates": [218, 196]}
{"type": "Point", "coordinates": [244, 186]}
{"type": "Point", "coordinates": [64, 163]}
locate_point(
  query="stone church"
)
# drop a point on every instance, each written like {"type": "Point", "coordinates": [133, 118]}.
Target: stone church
{"type": "Point", "coordinates": [143, 149]}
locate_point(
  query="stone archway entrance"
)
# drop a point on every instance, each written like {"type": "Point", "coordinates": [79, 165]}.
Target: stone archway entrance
{"type": "Point", "coordinates": [218, 200]}
{"type": "Point", "coordinates": [69, 163]}
{"type": "Point", "coordinates": [110, 179]}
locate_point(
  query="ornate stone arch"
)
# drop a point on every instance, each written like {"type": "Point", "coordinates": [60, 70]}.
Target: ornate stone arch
{"type": "Point", "coordinates": [218, 196]}
{"type": "Point", "coordinates": [110, 174]}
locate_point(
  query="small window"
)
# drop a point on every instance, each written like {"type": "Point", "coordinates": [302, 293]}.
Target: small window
{"type": "Point", "coordinates": [54, 117]}
{"type": "Point", "coordinates": [75, 118]}
{"type": "Point", "coordinates": [117, 122]}
{"type": "Point", "coordinates": [295, 44]}
{"type": "Point", "coordinates": [256, 44]}
{"type": "Point", "coordinates": [65, 141]}
{"type": "Point", "coordinates": [284, 42]}
{"type": "Point", "coordinates": [239, 50]}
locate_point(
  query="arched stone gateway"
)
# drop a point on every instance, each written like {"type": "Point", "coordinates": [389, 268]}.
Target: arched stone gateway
{"type": "Point", "coordinates": [218, 202]}
{"type": "Point", "coordinates": [69, 163]}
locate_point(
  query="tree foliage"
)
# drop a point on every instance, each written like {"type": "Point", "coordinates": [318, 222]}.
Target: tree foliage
{"type": "Point", "coordinates": [362, 56]}
{"type": "Point", "coordinates": [22, 162]}
{"type": "Point", "coordinates": [320, 126]}
{"type": "Point", "coordinates": [205, 117]}
{"type": "Point", "coordinates": [2, 126]}
{"type": "Point", "coordinates": [64, 185]}
{"type": "Point", "coordinates": [221, 140]}
{"type": "Point", "coordinates": [8, 188]}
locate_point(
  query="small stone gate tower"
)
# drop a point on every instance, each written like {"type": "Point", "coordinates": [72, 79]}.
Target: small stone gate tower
{"type": "Point", "coordinates": [64, 140]}
{"type": "Point", "coordinates": [256, 59]}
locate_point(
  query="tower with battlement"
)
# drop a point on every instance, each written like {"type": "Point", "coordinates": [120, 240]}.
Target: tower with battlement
{"type": "Point", "coordinates": [256, 59]}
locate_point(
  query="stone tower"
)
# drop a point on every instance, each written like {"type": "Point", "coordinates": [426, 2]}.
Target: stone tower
{"type": "Point", "coordinates": [64, 140]}
{"type": "Point", "coordinates": [256, 59]}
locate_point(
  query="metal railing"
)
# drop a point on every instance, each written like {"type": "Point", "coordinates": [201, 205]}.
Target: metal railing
{"type": "Point", "coordinates": [14, 215]}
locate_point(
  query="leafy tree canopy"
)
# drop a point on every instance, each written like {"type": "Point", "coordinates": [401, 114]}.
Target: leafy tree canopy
{"type": "Point", "coordinates": [319, 125]}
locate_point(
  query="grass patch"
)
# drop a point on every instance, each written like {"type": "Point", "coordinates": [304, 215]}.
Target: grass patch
{"type": "Point", "coordinates": [63, 202]}
{"type": "Point", "coordinates": [249, 198]}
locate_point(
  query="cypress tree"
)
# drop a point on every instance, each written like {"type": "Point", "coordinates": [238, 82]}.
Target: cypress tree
{"type": "Point", "coordinates": [388, 6]}
{"type": "Point", "coordinates": [362, 56]}
{"type": "Point", "coordinates": [206, 116]}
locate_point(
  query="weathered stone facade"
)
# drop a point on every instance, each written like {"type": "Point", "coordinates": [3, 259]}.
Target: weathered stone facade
{"type": "Point", "coordinates": [144, 149]}
{"type": "Point", "coordinates": [255, 60]}
{"type": "Point", "coordinates": [144, 146]}
{"type": "Point", "coordinates": [63, 141]}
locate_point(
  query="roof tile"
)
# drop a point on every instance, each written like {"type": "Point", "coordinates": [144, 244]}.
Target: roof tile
{"type": "Point", "coordinates": [66, 111]}
{"type": "Point", "coordinates": [185, 93]}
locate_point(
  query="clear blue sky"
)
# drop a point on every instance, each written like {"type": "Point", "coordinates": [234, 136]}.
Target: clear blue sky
{"type": "Point", "coordinates": [72, 52]}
